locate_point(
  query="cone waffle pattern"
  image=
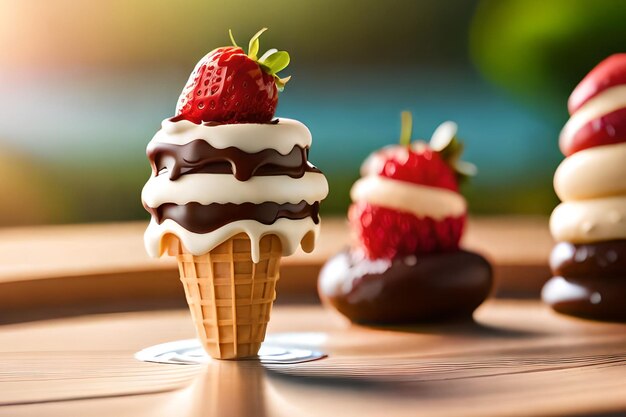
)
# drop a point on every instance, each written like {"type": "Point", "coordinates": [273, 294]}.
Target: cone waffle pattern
{"type": "Point", "coordinates": [231, 297]}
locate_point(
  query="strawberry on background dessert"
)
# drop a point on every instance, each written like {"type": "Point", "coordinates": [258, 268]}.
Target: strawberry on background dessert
{"type": "Point", "coordinates": [589, 260]}
{"type": "Point", "coordinates": [232, 191]}
{"type": "Point", "coordinates": [408, 218]}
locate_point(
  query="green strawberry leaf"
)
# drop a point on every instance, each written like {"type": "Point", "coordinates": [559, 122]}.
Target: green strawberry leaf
{"type": "Point", "coordinates": [452, 152]}
{"type": "Point", "coordinates": [276, 61]}
{"type": "Point", "coordinates": [232, 38]}
{"type": "Point", "coordinates": [266, 54]}
{"type": "Point", "coordinates": [271, 62]}
{"type": "Point", "coordinates": [280, 82]}
{"type": "Point", "coordinates": [445, 141]}
{"type": "Point", "coordinates": [451, 155]}
{"type": "Point", "coordinates": [253, 45]}
{"type": "Point", "coordinates": [465, 169]}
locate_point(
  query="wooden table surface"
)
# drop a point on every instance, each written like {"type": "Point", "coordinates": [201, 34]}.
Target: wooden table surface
{"type": "Point", "coordinates": [518, 358]}
{"type": "Point", "coordinates": [77, 301]}
{"type": "Point", "coordinates": [103, 267]}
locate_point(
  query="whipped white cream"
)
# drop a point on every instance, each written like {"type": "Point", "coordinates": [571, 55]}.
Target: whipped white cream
{"type": "Point", "coordinates": [207, 188]}
{"type": "Point", "coordinates": [249, 137]}
{"type": "Point", "coordinates": [225, 188]}
{"type": "Point", "coordinates": [608, 101]}
{"type": "Point", "coordinates": [589, 221]}
{"type": "Point", "coordinates": [292, 233]}
{"type": "Point", "coordinates": [592, 173]}
{"type": "Point", "coordinates": [419, 200]}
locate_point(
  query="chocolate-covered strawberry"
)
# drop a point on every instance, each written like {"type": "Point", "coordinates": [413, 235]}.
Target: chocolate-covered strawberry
{"type": "Point", "coordinates": [408, 201]}
{"type": "Point", "coordinates": [408, 217]}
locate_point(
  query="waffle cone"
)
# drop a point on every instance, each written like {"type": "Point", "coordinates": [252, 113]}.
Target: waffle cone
{"type": "Point", "coordinates": [229, 296]}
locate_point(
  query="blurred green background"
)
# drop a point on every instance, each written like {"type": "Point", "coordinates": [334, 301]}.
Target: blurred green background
{"type": "Point", "coordinates": [85, 85]}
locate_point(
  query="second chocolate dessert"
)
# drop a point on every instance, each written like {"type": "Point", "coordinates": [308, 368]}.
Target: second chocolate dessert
{"type": "Point", "coordinates": [408, 217]}
{"type": "Point", "coordinates": [589, 262]}
{"type": "Point", "coordinates": [408, 289]}
{"type": "Point", "coordinates": [588, 280]}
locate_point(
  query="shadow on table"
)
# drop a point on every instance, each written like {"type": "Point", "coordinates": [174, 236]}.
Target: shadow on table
{"type": "Point", "coordinates": [462, 327]}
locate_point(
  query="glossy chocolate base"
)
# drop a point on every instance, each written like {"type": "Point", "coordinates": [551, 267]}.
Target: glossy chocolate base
{"type": "Point", "coordinates": [427, 288]}
{"type": "Point", "coordinates": [589, 280]}
{"type": "Point", "coordinates": [603, 259]}
{"type": "Point", "coordinates": [596, 298]}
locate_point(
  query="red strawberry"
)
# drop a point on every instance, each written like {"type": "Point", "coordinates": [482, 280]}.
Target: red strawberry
{"type": "Point", "coordinates": [228, 86]}
{"type": "Point", "coordinates": [607, 128]}
{"type": "Point", "coordinates": [420, 165]}
{"type": "Point", "coordinates": [388, 233]}
{"type": "Point", "coordinates": [608, 73]}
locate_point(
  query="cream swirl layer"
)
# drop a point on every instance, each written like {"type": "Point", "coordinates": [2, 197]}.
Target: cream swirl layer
{"type": "Point", "coordinates": [249, 137]}
{"type": "Point", "coordinates": [592, 173]}
{"type": "Point", "coordinates": [225, 188]}
{"type": "Point", "coordinates": [278, 204]}
{"type": "Point", "coordinates": [606, 102]}
{"type": "Point", "coordinates": [419, 200]}
{"type": "Point", "coordinates": [589, 221]}
{"type": "Point", "coordinates": [292, 233]}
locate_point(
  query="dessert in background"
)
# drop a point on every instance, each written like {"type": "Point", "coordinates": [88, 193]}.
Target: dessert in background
{"type": "Point", "coordinates": [231, 192]}
{"type": "Point", "coordinates": [589, 260]}
{"type": "Point", "coordinates": [408, 218]}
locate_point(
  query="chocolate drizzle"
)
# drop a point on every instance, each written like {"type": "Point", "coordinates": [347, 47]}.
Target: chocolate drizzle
{"type": "Point", "coordinates": [199, 156]}
{"type": "Point", "coordinates": [199, 218]}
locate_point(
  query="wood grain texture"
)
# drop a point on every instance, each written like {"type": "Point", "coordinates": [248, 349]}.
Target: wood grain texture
{"type": "Point", "coordinates": [518, 358]}
{"type": "Point", "coordinates": [87, 266]}
{"type": "Point", "coordinates": [28, 253]}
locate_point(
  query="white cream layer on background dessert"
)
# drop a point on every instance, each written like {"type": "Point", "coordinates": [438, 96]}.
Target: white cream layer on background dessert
{"type": "Point", "coordinates": [591, 183]}
{"type": "Point", "coordinates": [608, 101]}
{"type": "Point", "coordinates": [419, 200]}
{"type": "Point", "coordinates": [592, 173]}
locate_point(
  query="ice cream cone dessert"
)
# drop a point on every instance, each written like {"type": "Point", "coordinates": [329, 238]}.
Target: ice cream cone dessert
{"type": "Point", "coordinates": [589, 260]}
{"type": "Point", "coordinates": [408, 217]}
{"type": "Point", "coordinates": [231, 192]}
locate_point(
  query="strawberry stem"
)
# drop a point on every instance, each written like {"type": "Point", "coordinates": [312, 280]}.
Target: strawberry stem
{"type": "Point", "coordinates": [406, 128]}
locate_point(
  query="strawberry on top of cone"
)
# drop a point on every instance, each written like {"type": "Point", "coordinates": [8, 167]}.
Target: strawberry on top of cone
{"type": "Point", "coordinates": [229, 86]}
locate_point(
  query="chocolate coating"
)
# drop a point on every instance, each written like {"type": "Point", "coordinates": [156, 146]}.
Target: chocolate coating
{"type": "Point", "coordinates": [600, 259]}
{"type": "Point", "coordinates": [598, 298]}
{"type": "Point", "coordinates": [199, 218]}
{"type": "Point", "coordinates": [412, 289]}
{"type": "Point", "coordinates": [199, 156]}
